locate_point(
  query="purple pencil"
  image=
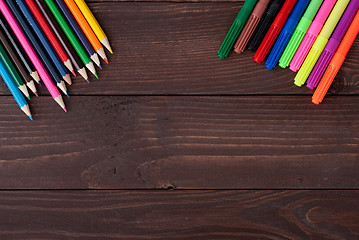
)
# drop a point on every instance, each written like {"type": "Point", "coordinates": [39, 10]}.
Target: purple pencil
{"type": "Point", "coordinates": [333, 44]}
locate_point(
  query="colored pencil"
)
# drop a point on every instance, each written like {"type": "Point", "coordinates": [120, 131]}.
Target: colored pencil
{"type": "Point", "coordinates": [332, 44]}
{"type": "Point", "coordinates": [80, 35]}
{"type": "Point", "coordinates": [29, 82]}
{"type": "Point", "coordinates": [86, 29]}
{"type": "Point", "coordinates": [94, 24]}
{"type": "Point", "coordinates": [18, 49]}
{"type": "Point", "coordinates": [321, 42]}
{"type": "Point", "coordinates": [274, 30]}
{"type": "Point", "coordinates": [337, 61]}
{"type": "Point", "coordinates": [71, 36]}
{"type": "Point", "coordinates": [50, 35]}
{"type": "Point", "coordinates": [44, 41]}
{"type": "Point", "coordinates": [37, 45]}
{"type": "Point", "coordinates": [311, 35]}
{"type": "Point", "coordinates": [19, 98]}
{"type": "Point", "coordinates": [13, 72]}
{"type": "Point", "coordinates": [65, 43]}
{"type": "Point", "coordinates": [32, 54]}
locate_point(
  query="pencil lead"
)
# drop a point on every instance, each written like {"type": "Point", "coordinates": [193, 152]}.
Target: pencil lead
{"type": "Point", "coordinates": [96, 75]}
{"type": "Point", "coordinates": [30, 118]}
{"type": "Point", "coordinates": [36, 94]}
{"type": "Point", "coordinates": [64, 108]}
{"type": "Point", "coordinates": [28, 97]}
{"type": "Point", "coordinates": [111, 51]}
{"type": "Point", "coordinates": [73, 73]}
{"type": "Point", "coordinates": [100, 66]}
{"type": "Point", "coordinates": [67, 94]}
{"type": "Point", "coordinates": [106, 61]}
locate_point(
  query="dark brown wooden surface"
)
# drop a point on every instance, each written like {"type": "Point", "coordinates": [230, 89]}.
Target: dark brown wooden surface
{"type": "Point", "coordinates": [173, 143]}
{"type": "Point", "coordinates": [248, 215]}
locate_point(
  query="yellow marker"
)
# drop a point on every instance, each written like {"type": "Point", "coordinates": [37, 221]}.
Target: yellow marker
{"type": "Point", "coordinates": [321, 42]}
{"type": "Point", "coordinates": [94, 24]}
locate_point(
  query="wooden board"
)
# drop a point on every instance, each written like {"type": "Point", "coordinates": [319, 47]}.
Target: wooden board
{"type": "Point", "coordinates": [247, 215]}
{"type": "Point", "coordinates": [181, 142]}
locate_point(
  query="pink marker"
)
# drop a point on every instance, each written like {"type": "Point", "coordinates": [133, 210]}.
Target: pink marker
{"type": "Point", "coordinates": [32, 54]}
{"type": "Point", "coordinates": [311, 34]}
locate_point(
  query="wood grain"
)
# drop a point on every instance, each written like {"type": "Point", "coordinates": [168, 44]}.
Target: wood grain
{"type": "Point", "coordinates": [181, 142]}
{"type": "Point", "coordinates": [171, 48]}
{"type": "Point", "coordinates": [202, 215]}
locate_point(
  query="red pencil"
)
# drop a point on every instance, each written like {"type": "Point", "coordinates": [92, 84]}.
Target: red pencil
{"type": "Point", "coordinates": [274, 30]}
{"type": "Point", "coordinates": [50, 35]}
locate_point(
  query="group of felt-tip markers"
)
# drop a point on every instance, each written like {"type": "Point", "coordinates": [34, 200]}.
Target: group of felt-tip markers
{"type": "Point", "coordinates": [312, 36]}
{"type": "Point", "coordinates": [47, 40]}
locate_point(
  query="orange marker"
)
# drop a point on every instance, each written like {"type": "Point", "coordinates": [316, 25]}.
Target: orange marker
{"type": "Point", "coordinates": [337, 61]}
{"type": "Point", "coordinates": [86, 29]}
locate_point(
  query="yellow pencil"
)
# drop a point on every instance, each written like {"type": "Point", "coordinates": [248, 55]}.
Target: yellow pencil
{"type": "Point", "coordinates": [94, 24]}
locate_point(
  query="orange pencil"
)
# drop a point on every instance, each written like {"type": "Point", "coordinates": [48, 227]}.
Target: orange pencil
{"type": "Point", "coordinates": [336, 61]}
{"type": "Point", "coordinates": [86, 29]}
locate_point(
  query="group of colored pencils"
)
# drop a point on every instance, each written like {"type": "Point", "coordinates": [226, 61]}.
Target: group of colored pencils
{"type": "Point", "coordinates": [47, 40]}
{"type": "Point", "coordinates": [312, 36]}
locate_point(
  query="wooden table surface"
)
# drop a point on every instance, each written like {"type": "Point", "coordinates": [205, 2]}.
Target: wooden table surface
{"type": "Point", "coordinates": [173, 143]}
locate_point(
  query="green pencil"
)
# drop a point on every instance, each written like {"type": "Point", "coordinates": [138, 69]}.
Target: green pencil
{"type": "Point", "coordinates": [13, 72]}
{"type": "Point", "coordinates": [71, 36]}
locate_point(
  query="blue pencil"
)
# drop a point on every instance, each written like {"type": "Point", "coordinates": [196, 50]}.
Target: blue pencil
{"type": "Point", "coordinates": [286, 33]}
{"type": "Point", "coordinates": [45, 42]}
{"type": "Point", "coordinates": [19, 98]}
{"type": "Point", "coordinates": [80, 35]}
{"type": "Point", "coordinates": [35, 42]}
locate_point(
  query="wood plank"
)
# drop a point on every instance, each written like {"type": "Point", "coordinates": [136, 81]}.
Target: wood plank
{"type": "Point", "coordinates": [246, 215]}
{"type": "Point", "coordinates": [171, 48]}
{"type": "Point", "coordinates": [181, 142]}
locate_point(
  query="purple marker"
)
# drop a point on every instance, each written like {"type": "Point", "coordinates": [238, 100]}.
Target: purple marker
{"type": "Point", "coordinates": [333, 44]}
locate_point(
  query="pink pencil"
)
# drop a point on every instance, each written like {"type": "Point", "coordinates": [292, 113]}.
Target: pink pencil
{"type": "Point", "coordinates": [32, 55]}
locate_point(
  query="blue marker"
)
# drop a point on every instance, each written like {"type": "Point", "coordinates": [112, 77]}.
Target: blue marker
{"type": "Point", "coordinates": [286, 33]}
{"type": "Point", "coordinates": [19, 98]}
{"type": "Point", "coordinates": [45, 42]}
{"type": "Point", "coordinates": [38, 46]}
{"type": "Point", "coordinates": [80, 35]}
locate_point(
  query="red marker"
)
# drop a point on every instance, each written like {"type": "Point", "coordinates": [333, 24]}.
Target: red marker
{"type": "Point", "coordinates": [274, 30]}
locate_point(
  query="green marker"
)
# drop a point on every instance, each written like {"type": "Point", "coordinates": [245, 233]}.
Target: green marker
{"type": "Point", "coordinates": [299, 33]}
{"type": "Point", "coordinates": [236, 28]}
{"type": "Point", "coordinates": [13, 72]}
{"type": "Point", "coordinates": [71, 36]}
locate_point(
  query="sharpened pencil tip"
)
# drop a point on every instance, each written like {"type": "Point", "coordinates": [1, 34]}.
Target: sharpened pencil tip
{"type": "Point", "coordinates": [30, 118]}
{"type": "Point", "coordinates": [37, 95]}
{"type": "Point", "coordinates": [64, 109]}
{"type": "Point", "coordinates": [111, 51]}
{"type": "Point", "coordinates": [100, 66]}
{"type": "Point", "coordinates": [28, 97]}
{"type": "Point", "coordinates": [67, 94]}
{"type": "Point", "coordinates": [106, 61]}
{"type": "Point", "coordinates": [96, 75]}
{"type": "Point", "coordinates": [73, 72]}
